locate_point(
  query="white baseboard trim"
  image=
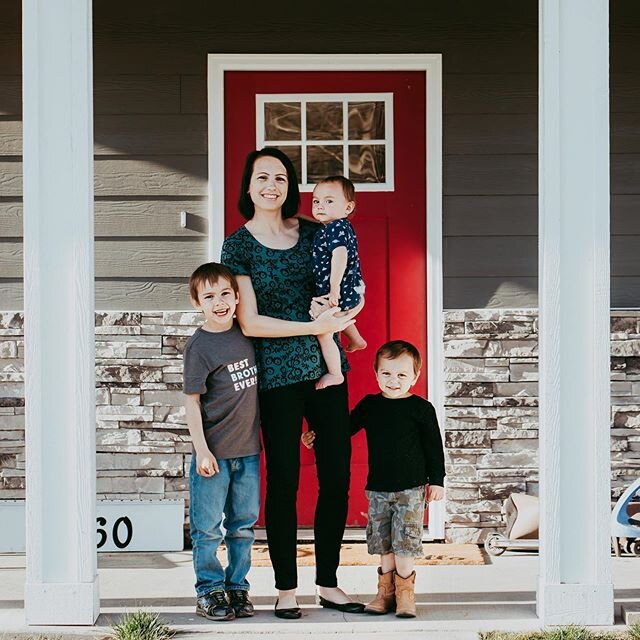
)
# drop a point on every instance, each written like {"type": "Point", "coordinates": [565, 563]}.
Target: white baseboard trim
{"type": "Point", "coordinates": [581, 604]}
{"type": "Point", "coordinates": [62, 603]}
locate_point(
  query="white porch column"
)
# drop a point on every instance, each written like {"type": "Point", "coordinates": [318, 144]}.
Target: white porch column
{"type": "Point", "coordinates": [62, 585]}
{"type": "Point", "coordinates": [575, 581]}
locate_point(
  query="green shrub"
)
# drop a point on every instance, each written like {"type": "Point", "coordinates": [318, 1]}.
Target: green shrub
{"type": "Point", "coordinates": [141, 625]}
{"type": "Point", "coordinates": [634, 631]}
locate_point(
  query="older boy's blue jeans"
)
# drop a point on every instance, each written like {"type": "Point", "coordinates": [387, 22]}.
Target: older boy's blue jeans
{"type": "Point", "coordinates": [232, 494]}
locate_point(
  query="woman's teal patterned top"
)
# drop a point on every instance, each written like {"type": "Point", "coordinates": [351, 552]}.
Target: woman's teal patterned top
{"type": "Point", "coordinates": [283, 283]}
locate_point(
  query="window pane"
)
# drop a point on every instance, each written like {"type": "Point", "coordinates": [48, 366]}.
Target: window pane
{"type": "Point", "coordinates": [324, 121]}
{"type": "Point", "coordinates": [366, 121]}
{"type": "Point", "coordinates": [282, 121]}
{"type": "Point", "coordinates": [367, 163]}
{"type": "Point", "coordinates": [295, 155]}
{"type": "Point", "coordinates": [323, 162]}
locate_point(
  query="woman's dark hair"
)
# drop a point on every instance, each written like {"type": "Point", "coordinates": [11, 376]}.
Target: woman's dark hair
{"type": "Point", "coordinates": [292, 202]}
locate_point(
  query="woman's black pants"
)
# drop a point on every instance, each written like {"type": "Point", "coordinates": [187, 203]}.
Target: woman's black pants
{"type": "Point", "coordinates": [327, 413]}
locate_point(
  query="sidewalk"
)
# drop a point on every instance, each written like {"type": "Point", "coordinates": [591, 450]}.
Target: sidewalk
{"type": "Point", "coordinates": [454, 602]}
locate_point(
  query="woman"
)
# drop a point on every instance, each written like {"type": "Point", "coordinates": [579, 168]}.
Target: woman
{"type": "Point", "coordinates": [271, 257]}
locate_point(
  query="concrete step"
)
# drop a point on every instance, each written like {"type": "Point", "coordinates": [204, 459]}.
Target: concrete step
{"type": "Point", "coordinates": [433, 622]}
{"type": "Point", "coordinates": [631, 614]}
{"type": "Point", "coordinates": [316, 623]}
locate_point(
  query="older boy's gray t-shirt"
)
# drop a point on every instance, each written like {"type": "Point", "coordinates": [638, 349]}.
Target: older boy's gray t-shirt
{"type": "Point", "coordinates": [221, 367]}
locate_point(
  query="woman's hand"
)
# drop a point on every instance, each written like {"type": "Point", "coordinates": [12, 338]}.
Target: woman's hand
{"type": "Point", "coordinates": [435, 493]}
{"type": "Point", "coordinates": [330, 321]}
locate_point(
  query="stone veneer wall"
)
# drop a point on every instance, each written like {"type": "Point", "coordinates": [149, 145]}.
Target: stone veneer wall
{"type": "Point", "coordinates": [491, 430]}
{"type": "Point", "coordinates": [491, 407]}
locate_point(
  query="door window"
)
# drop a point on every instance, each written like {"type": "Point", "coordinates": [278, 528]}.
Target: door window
{"type": "Point", "coordinates": [329, 134]}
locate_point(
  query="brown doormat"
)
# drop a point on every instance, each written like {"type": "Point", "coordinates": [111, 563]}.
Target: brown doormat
{"type": "Point", "coordinates": [355, 554]}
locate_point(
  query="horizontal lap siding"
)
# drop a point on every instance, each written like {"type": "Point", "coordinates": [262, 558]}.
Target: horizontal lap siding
{"type": "Point", "coordinates": [150, 165]}
{"type": "Point", "coordinates": [625, 154]}
{"type": "Point", "coordinates": [490, 179]}
{"type": "Point", "coordinates": [151, 139]}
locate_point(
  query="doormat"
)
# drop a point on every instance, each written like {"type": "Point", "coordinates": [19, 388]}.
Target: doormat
{"type": "Point", "coordinates": [356, 555]}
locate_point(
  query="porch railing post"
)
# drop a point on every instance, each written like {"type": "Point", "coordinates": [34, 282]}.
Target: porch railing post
{"type": "Point", "coordinates": [575, 577]}
{"type": "Point", "coordinates": [62, 582]}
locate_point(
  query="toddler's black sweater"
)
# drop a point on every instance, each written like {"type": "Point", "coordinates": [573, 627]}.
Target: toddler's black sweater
{"type": "Point", "coordinates": [403, 438]}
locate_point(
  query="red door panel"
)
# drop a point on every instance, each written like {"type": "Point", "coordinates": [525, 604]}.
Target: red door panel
{"type": "Point", "coordinates": [390, 226]}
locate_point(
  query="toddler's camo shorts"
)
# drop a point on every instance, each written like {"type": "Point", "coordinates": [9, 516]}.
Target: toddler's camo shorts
{"type": "Point", "coordinates": [396, 522]}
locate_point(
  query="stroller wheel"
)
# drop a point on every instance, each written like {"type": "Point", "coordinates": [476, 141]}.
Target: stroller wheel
{"type": "Point", "coordinates": [492, 545]}
{"type": "Point", "coordinates": [635, 548]}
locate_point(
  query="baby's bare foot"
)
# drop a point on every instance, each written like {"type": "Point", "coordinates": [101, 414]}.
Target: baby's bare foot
{"type": "Point", "coordinates": [355, 345]}
{"type": "Point", "coordinates": [329, 380]}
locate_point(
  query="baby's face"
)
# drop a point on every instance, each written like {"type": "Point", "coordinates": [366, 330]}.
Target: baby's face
{"type": "Point", "coordinates": [329, 204]}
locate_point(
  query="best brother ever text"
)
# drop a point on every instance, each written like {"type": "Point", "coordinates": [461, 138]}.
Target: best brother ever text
{"type": "Point", "coordinates": [242, 374]}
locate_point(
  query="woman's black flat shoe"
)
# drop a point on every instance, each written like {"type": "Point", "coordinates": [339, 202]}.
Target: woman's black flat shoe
{"type": "Point", "coordinates": [347, 607]}
{"type": "Point", "coordinates": [293, 613]}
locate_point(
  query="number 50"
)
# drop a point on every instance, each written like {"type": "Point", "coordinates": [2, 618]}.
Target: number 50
{"type": "Point", "coordinates": [115, 532]}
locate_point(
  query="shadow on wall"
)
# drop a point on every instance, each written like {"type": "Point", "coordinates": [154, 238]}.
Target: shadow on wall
{"type": "Point", "coordinates": [494, 293]}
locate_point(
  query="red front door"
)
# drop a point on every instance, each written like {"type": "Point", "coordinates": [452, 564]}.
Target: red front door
{"type": "Point", "coordinates": [390, 225]}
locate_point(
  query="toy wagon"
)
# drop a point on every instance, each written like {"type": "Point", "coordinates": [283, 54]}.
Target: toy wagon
{"type": "Point", "coordinates": [520, 512]}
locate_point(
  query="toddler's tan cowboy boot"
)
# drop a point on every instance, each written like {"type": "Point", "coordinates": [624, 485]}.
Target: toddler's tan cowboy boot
{"type": "Point", "coordinates": [405, 595]}
{"type": "Point", "coordinates": [385, 599]}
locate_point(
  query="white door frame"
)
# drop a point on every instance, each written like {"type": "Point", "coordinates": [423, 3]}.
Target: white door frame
{"type": "Point", "coordinates": [431, 65]}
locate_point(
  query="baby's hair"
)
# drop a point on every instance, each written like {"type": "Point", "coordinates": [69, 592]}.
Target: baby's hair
{"type": "Point", "coordinates": [210, 272]}
{"type": "Point", "coordinates": [348, 189]}
{"type": "Point", "coordinates": [395, 348]}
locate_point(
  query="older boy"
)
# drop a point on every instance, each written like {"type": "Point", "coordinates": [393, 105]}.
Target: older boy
{"type": "Point", "coordinates": [220, 378]}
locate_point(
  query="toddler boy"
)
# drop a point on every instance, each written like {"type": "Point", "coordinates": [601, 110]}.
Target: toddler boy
{"type": "Point", "coordinates": [405, 453]}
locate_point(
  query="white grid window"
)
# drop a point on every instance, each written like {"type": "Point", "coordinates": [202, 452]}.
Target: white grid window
{"type": "Point", "coordinates": [331, 133]}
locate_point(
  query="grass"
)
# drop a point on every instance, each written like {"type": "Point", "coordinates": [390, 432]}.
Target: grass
{"type": "Point", "coordinates": [566, 633]}
{"type": "Point", "coordinates": [141, 625]}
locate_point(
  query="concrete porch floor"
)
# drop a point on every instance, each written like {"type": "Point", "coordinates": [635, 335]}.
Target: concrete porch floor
{"type": "Point", "coordinates": [454, 602]}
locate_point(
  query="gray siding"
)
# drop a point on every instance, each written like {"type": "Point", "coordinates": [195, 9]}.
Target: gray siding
{"type": "Point", "coordinates": [151, 137]}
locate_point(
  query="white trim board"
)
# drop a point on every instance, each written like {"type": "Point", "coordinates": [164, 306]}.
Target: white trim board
{"type": "Point", "coordinates": [431, 65]}
{"type": "Point", "coordinates": [121, 525]}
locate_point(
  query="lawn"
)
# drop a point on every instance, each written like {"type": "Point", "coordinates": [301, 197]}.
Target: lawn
{"type": "Point", "coordinates": [565, 633]}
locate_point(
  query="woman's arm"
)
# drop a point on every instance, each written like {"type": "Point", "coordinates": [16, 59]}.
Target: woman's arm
{"type": "Point", "coordinates": [258, 326]}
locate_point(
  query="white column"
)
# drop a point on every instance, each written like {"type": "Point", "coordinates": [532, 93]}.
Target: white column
{"type": "Point", "coordinates": [62, 585]}
{"type": "Point", "coordinates": [575, 579]}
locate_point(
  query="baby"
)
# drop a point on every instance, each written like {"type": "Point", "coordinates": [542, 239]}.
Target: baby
{"type": "Point", "coordinates": [336, 266]}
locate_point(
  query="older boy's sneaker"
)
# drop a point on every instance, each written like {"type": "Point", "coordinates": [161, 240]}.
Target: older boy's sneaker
{"type": "Point", "coordinates": [239, 601]}
{"type": "Point", "coordinates": [215, 606]}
